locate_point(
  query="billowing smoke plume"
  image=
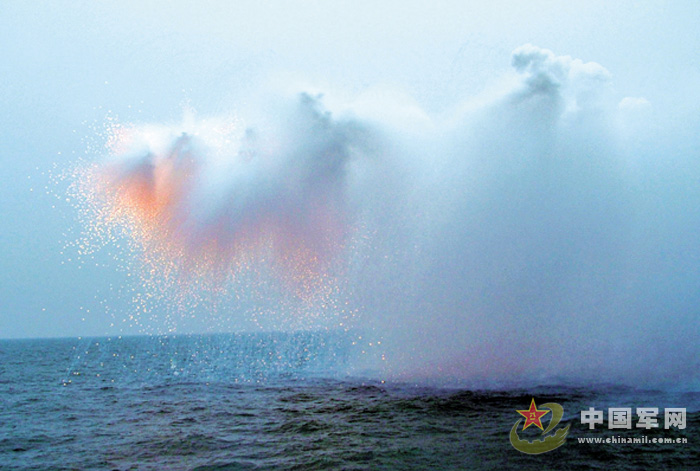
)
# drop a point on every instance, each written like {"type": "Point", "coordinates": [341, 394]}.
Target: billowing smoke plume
{"type": "Point", "coordinates": [204, 198]}
{"type": "Point", "coordinates": [522, 238]}
{"type": "Point", "coordinates": [532, 258]}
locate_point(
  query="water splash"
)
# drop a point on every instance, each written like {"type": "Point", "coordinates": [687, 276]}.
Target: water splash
{"type": "Point", "coordinates": [517, 237]}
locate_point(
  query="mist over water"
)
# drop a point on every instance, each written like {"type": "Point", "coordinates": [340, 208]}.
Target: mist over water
{"type": "Point", "coordinates": [543, 232]}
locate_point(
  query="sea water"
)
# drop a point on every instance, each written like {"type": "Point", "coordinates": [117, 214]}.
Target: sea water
{"type": "Point", "coordinates": [289, 401]}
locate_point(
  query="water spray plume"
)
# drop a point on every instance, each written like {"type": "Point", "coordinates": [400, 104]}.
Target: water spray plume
{"type": "Point", "coordinates": [503, 242]}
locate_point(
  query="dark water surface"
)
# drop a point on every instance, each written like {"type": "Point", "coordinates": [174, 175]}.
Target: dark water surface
{"type": "Point", "coordinates": [274, 401]}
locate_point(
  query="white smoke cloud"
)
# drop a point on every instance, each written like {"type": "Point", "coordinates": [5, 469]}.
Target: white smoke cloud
{"type": "Point", "coordinates": [521, 265]}
{"type": "Point", "coordinates": [498, 245]}
{"type": "Point", "coordinates": [572, 83]}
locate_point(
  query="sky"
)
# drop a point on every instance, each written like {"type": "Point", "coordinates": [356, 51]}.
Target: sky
{"type": "Point", "coordinates": [462, 131]}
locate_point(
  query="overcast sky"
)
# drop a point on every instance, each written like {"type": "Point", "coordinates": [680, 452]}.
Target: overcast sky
{"type": "Point", "coordinates": [66, 66]}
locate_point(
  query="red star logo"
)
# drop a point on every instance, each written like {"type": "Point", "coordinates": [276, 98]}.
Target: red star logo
{"type": "Point", "coordinates": [532, 415]}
